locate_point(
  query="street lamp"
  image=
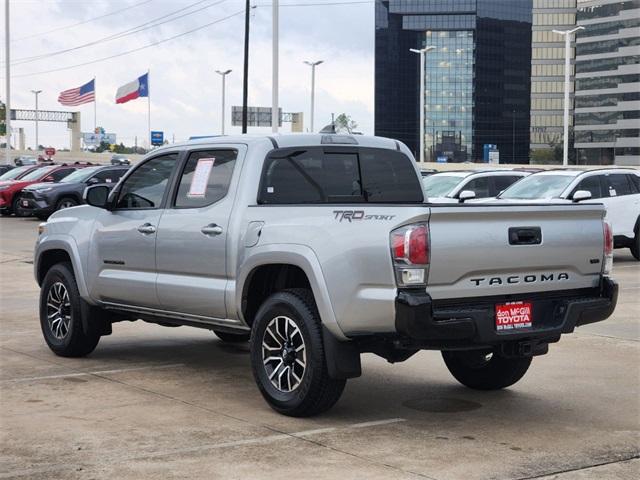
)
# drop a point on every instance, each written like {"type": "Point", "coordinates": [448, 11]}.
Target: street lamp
{"type": "Point", "coordinates": [275, 111]}
{"type": "Point", "coordinates": [36, 92]}
{"type": "Point", "coordinates": [422, 52]}
{"type": "Point", "coordinates": [223, 75]}
{"type": "Point", "coordinates": [567, 64]}
{"type": "Point", "coordinates": [313, 66]}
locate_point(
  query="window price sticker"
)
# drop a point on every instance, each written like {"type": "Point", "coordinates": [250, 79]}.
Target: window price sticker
{"type": "Point", "coordinates": [200, 180]}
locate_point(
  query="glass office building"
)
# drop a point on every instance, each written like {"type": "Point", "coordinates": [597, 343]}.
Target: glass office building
{"type": "Point", "coordinates": [477, 79]}
{"type": "Point", "coordinates": [607, 101]}
{"type": "Point", "coordinates": [547, 71]}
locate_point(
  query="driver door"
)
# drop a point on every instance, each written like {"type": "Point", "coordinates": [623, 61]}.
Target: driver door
{"type": "Point", "coordinates": [123, 247]}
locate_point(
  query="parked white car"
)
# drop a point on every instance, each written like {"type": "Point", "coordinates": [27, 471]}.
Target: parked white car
{"type": "Point", "coordinates": [459, 186]}
{"type": "Point", "coordinates": [617, 188]}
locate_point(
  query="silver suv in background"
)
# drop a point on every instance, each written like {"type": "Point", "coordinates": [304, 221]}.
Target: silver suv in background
{"type": "Point", "coordinates": [316, 249]}
{"type": "Point", "coordinates": [462, 185]}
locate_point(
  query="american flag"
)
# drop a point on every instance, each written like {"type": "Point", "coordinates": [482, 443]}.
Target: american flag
{"type": "Point", "coordinates": [77, 96]}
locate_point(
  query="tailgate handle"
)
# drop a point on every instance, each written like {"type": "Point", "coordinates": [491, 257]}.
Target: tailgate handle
{"type": "Point", "coordinates": [525, 236]}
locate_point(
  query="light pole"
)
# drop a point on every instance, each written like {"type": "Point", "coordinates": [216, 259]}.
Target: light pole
{"type": "Point", "coordinates": [422, 52]}
{"type": "Point", "coordinates": [36, 93]}
{"type": "Point", "coordinates": [275, 112]}
{"type": "Point", "coordinates": [567, 65]}
{"type": "Point", "coordinates": [223, 75]}
{"type": "Point", "coordinates": [7, 62]}
{"type": "Point", "coordinates": [313, 66]}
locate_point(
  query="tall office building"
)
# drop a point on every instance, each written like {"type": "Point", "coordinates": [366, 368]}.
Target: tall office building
{"type": "Point", "coordinates": [607, 102]}
{"type": "Point", "coordinates": [477, 79]}
{"type": "Point", "coordinates": [547, 71]}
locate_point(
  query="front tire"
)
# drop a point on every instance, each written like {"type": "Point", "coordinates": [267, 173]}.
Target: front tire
{"type": "Point", "coordinates": [66, 202]}
{"type": "Point", "coordinates": [61, 314]}
{"type": "Point", "coordinates": [288, 358]}
{"type": "Point", "coordinates": [485, 370]}
{"type": "Point", "coordinates": [635, 247]}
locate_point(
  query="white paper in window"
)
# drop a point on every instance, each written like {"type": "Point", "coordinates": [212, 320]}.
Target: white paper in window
{"type": "Point", "coordinates": [200, 178]}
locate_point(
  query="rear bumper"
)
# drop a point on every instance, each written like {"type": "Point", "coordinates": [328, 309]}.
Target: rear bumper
{"type": "Point", "coordinates": [470, 323]}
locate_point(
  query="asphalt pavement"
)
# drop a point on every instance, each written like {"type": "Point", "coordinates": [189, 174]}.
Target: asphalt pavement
{"type": "Point", "coordinates": [165, 403]}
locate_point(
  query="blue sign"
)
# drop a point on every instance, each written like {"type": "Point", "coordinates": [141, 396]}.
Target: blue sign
{"type": "Point", "coordinates": [486, 148]}
{"type": "Point", "coordinates": [157, 138]}
{"type": "Point", "coordinates": [442, 159]}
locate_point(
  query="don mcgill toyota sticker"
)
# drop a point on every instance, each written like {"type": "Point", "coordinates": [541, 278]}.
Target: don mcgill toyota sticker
{"type": "Point", "coordinates": [513, 315]}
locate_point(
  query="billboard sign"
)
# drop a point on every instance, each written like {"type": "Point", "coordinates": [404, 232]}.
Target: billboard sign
{"type": "Point", "coordinates": [256, 116]}
{"type": "Point", "coordinates": [157, 138]}
{"type": "Point", "coordinates": [90, 138]}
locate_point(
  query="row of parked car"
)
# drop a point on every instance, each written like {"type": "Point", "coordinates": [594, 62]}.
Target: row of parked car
{"type": "Point", "coordinates": [617, 188]}
{"type": "Point", "coordinates": [41, 190]}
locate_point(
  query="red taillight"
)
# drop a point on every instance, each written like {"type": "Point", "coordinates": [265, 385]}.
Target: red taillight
{"type": "Point", "coordinates": [608, 239]}
{"type": "Point", "coordinates": [410, 245]}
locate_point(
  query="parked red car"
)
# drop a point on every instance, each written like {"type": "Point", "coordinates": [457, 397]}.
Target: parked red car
{"type": "Point", "coordinates": [9, 189]}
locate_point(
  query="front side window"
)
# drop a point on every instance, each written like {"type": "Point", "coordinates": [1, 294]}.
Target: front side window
{"type": "Point", "coordinates": [503, 182]}
{"type": "Point", "coordinates": [108, 176]}
{"type": "Point", "coordinates": [479, 186]}
{"type": "Point", "coordinates": [590, 184]}
{"type": "Point", "coordinates": [205, 178]}
{"type": "Point", "coordinates": [37, 174]}
{"type": "Point", "coordinates": [62, 173]}
{"type": "Point", "coordinates": [146, 186]}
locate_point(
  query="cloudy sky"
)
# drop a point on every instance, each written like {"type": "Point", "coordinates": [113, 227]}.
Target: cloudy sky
{"type": "Point", "coordinates": [185, 89]}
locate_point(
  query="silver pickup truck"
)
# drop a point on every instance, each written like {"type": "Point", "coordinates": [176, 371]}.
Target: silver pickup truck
{"type": "Point", "coordinates": [315, 249]}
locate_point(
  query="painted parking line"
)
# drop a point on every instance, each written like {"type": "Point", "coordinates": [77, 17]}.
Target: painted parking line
{"type": "Point", "coordinates": [88, 374]}
{"type": "Point", "coordinates": [301, 435]}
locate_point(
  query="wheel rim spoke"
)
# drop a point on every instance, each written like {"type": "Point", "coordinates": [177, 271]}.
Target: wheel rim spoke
{"type": "Point", "coordinates": [284, 354]}
{"type": "Point", "coordinates": [58, 310]}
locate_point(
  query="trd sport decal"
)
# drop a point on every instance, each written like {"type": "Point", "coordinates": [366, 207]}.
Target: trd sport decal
{"type": "Point", "coordinates": [358, 215]}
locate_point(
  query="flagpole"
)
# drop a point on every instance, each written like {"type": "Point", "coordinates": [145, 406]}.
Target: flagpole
{"type": "Point", "coordinates": [95, 108]}
{"type": "Point", "coordinates": [149, 108]}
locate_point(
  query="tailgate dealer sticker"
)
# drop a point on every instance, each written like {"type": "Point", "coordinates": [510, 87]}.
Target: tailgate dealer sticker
{"type": "Point", "coordinates": [200, 178]}
{"type": "Point", "coordinates": [511, 316]}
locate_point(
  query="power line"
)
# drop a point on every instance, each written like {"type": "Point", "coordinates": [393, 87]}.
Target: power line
{"type": "Point", "coordinates": [153, 44]}
{"type": "Point", "coordinates": [81, 23]}
{"type": "Point", "coordinates": [131, 31]}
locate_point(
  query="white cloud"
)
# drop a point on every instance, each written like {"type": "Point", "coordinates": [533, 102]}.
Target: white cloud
{"type": "Point", "coordinates": [185, 89]}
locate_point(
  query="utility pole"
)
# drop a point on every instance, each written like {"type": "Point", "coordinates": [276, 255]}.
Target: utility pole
{"type": "Point", "coordinates": [245, 75]}
{"type": "Point", "coordinates": [422, 52]}
{"type": "Point", "coordinates": [223, 74]}
{"type": "Point", "coordinates": [275, 112]}
{"type": "Point", "coordinates": [7, 61]}
{"type": "Point", "coordinates": [567, 66]}
{"type": "Point", "coordinates": [313, 66]}
{"type": "Point", "coordinates": [36, 93]}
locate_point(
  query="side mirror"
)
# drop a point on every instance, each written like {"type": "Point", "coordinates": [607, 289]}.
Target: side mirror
{"type": "Point", "coordinates": [48, 178]}
{"type": "Point", "coordinates": [581, 195]}
{"type": "Point", "coordinates": [93, 180]}
{"type": "Point", "coordinates": [466, 195]}
{"type": "Point", "coordinates": [97, 195]}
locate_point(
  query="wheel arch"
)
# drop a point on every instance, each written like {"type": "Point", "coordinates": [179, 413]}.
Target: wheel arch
{"type": "Point", "coordinates": [274, 268]}
{"type": "Point", "coordinates": [55, 251]}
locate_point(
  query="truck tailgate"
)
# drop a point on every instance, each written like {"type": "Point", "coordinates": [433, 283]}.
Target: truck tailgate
{"type": "Point", "coordinates": [483, 250]}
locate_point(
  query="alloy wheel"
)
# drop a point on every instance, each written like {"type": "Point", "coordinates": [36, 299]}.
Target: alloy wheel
{"type": "Point", "coordinates": [284, 354]}
{"type": "Point", "coordinates": [58, 310]}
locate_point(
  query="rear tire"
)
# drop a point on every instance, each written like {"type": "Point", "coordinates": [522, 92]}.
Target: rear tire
{"type": "Point", "coordinates": [232, 337]}
{"type": "Point", "coordinates": [635, 247]}
{"type": "Point", "coordinates": [61, 314]}
{"type": "Point", "coordinates": [288, 358]}
{"type": "Point", "coordinates": [485, 370]}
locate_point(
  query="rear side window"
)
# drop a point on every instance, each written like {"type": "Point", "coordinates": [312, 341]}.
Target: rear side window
{"type": "Point", "coordinates": [617, 184]}
{"type": "Point", "coordinates": [205, 178]}
{"type": "Point", "coordinates": [635, 181]}
{"type": "Point", "coordinates": [356, 175]}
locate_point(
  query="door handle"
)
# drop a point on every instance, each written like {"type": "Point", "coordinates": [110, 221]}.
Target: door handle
{"type": "Point", "coordinates": [211, 229]}
{"type": "Point", "coordinates": [147, 229]}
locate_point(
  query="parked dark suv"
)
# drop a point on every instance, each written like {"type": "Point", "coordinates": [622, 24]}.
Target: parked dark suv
{"type": "Point", "coordinates": [42, 199]}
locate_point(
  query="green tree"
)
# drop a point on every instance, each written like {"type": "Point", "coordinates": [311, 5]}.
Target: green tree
{"type": "Point", "coordinates": [344, 123]}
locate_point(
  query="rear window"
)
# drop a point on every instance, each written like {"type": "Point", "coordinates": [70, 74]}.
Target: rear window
{"type": "Point", "coordinates": [345, 175]}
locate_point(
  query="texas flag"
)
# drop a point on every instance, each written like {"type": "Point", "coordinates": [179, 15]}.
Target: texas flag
{"type": "Point", "coordinates": [133, 90]}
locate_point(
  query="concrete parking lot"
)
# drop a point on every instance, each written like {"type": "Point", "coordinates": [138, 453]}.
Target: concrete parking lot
{"type": "Point", "coordinates": [156, 402]}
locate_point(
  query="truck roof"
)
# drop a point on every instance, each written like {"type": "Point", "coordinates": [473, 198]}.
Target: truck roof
{"type": "Point", "coordinates": [292, 140]}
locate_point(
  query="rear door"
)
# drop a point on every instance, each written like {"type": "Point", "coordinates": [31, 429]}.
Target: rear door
{"type": "Point", "coordinates": [622, 203]}
{"type": "Point", "coordinates": [192, 235]}
{"type": "Point", "coordinates": [123, 251]}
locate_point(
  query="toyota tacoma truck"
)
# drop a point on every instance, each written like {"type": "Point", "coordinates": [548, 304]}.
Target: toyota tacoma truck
{"type": "Point", "coordinates": [316, 249]}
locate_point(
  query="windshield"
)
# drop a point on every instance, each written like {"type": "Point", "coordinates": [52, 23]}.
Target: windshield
{"type": "Point", "coordinates": [79, 175]}
{"type": "Point", "coordinates": [538, 186]}
{"type": "Point", "coordinates": [14, 173]}
{"type": "Point", "coordinates": [36, 174]}
{"type": "Point", "coordinates": [440, 185]}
